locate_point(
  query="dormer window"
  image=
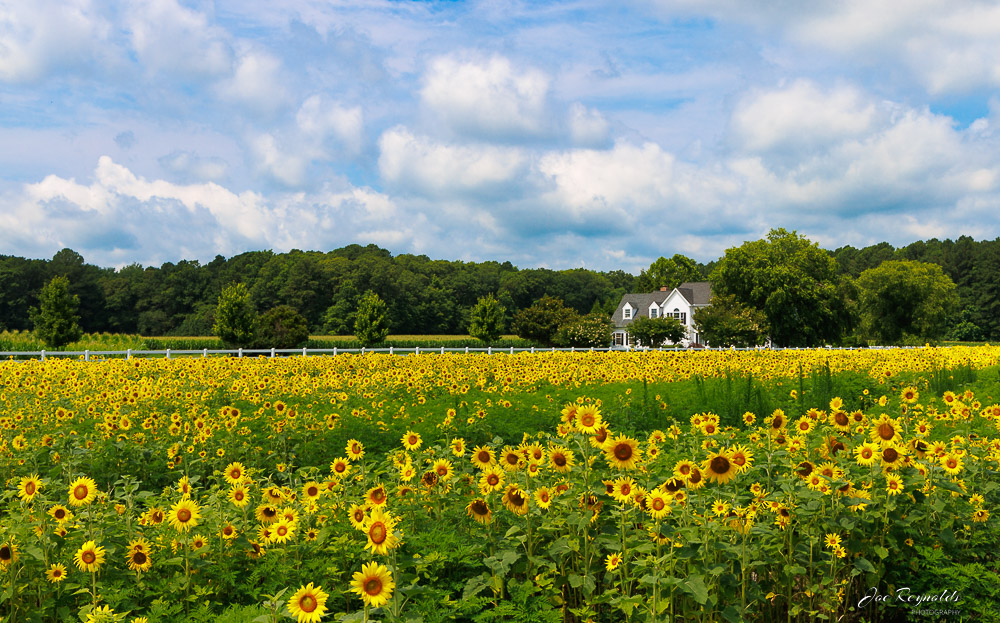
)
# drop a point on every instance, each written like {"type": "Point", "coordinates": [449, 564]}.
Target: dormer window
{"type": "Point", "coordinates": [653, 311]}
{"type": "Point", "coordinates": [627, 313]}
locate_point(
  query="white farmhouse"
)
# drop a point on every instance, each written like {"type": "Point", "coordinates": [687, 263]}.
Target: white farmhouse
{"type": "Point", "coordinates": [679, 303]}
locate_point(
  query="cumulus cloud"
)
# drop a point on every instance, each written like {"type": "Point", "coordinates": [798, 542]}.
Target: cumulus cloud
{"type": "Point", "coordinates": [948, 46]}
{"type": "Point", "coordinates": [486, 97]}
{"type": "Point", "coordinates": [120, 216]}
{"type": "Point", "coordinates": [256, 83]}
{"type": "Point", "coordinates": [173, 39]}
{"type": "Point", "coordinates": [835, 151]}
{"type": "Point", "coordinates": [39, 36]}
{"type": "Point", "coordinates": [587, 126]}
{"type": "Point", "coordinates": [419, 164]}
{"type": "Point", "coordinates": [319, 118]}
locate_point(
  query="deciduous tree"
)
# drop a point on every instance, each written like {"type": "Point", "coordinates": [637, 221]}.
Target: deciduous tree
{"type": "Point", "coordinates": [235, 317]}
{"type": "Point", "coordinates": [727, 322]}
{"type": "Point", "coordinates": [794, 282]}
{"type": "Point", "coordinates": [903, 299]}
{"type": "Point", "coordinates": [371, 321]}
{"type": "Point", "coordinates": [542, 320]}
{"type": "Point", "coordinates": [55, 318]}
{"type": "Point", "coordinates": [656, 331]}
{"type": "Point", "coordinates": [486, 319]}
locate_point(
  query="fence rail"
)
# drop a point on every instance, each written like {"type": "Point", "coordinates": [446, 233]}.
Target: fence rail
{"type": "Point", "coordinates": [89, 355]}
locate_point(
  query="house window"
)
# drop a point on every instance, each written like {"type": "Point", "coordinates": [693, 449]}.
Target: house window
{"type": "Point", "coordinates": [619, 338]}
{"type": "Point", "coordinates": [627, 313]}
{"type": "Point", "coordinates": [653, 312]}
{"type": "Point", "coordinates": [679, 315]}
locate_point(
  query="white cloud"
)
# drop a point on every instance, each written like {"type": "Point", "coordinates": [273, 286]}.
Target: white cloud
{"type": "Point", "coordinates": [121, 217]}
{"type": "Point", "coordinates": [189, 164]}
{"type": "Point", "coordinates": [319, 117]}
{"type": "Point", "coordinates": [587, 126]}
{"type": "Point", "coordinates": [174, 39]}
{"type": "Point", "coordinates": [799, 116]}
{"type": "Point", "coordinates": [284, 165]}
{"type": "Point", "coordinates": [38, 36]}
{"type": "Point", "coordinates": [257, 83]}
{"type": "Point", "coordinates": [486, 97]}
{"type": "Point", "coordinates": [948, 46]}
{"type": "Point", "coordinates": [419, 164]}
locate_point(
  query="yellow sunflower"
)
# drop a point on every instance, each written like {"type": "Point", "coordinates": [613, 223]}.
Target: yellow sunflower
{"type": "Point", "coordinates": [184, 515]}
{"type": "Point", "coordinates": [588, 419]}
{"type": "Point", "coordinates": [234, 473]}
{"type": "Point", "coordinates": [622, 452]}
{"type": "Point", "coordinates": [515, 500]}
{"type": "Point", "coordinates": [411, 440]}
{"type": "Point", "coordinates": [373, 584]}
{"type": "Point", "coordinates": [239, 496]}
{"type": "Point", "coordinates": [355, 451]}
{"type": "Point", "coordinates": [720, 467]}
{"type": "Point", "coordinates": [479, 510]}
{"type": "Point", "coordinates": [28, 487]}
{"type": "Point", "coordinates": [340, 467]}
{"type": "Point", "coordinates": [89, 557]}
{"type": "Point", "coordinates": [82, 491]}
{"type": "Point", "coordinates": [561, 459]}
{"type": "Point", "coordinates": [308, 604]}
{"type": "Point", "coordinates": [483, 457]}
{"type": "Point", "coordinates": [379, 530]}
{"type": "Point", "coordinates": [56, 572]}
{"type": "Point", "coordinates": [8, 554]}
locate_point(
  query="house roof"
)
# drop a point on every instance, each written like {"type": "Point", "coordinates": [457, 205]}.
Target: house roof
{"type": "Point", "coordinates": [696, 293]}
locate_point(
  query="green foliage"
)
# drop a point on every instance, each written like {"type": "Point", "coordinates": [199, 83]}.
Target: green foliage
{"type": "Point", "coordinates": [905, 298]}
{"type": "Point", "coordinates": [657, 331]}
{"type": "Point", "coordinates": [727, 322]}
{"type": "Point", "coordinates": [371, 323]}
{"type": "Point", "coordinates": [282, 327]}
{"type": "Point", "coordinates": [668, 273]}
{"type": "Point", "coordinates": [966, 329]}
{"type": "Point", "coordinates": [542, 320]}
{"type": "Point", "coordinates": [791, 280]}
{"type": "Point", "coordinates": [592, 330]}
{"type": "Point", "coordinates": [55, 318]}
{"type": "Point", "coordinates": [235, 318]}
{"type": "Point", "coordinates": [486, 321]}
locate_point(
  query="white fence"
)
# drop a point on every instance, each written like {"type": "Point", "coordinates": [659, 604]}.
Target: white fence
{"type": "Point", "coordinates": [88, 355]}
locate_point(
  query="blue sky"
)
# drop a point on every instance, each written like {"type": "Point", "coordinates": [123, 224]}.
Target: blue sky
{"type": "Point", "coordinates": [557, 134]}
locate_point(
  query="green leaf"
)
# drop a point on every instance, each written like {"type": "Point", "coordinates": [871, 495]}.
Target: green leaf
{"type": "Point", "coordinates": [732, 614]}
{"type": "Point", "coordinates": [695, 586]}
{"type": "Point", "coordinates": [864, 565]}
{"type": "Point", "coordinates": [575, 580]}
{"type": "Point", "coordinates": [881, 551]}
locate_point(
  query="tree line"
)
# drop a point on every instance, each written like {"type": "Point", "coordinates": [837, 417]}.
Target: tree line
{"type": "Point", "coordinates": [783, 287]}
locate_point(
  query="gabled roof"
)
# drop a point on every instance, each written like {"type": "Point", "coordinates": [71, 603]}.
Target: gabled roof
{"type": "Point", "coordinates": [696, 293]}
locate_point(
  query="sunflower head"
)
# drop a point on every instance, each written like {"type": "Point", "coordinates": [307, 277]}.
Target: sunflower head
{"type": "Point", "coordinates": [374, 584]}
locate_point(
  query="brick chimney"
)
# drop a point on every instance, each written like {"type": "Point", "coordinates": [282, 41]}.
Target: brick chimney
{"type": "Point", "coordinates": [663, 288]}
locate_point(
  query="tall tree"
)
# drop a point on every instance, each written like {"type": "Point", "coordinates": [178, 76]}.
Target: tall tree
{"type": "Point", "coordinates": [668, 273]}
{"type": "Point", "coordinates": [791, 280]}
{"type": "Point", "coordinates": [727, 322]}
{"type": "Point", "coordinates": [904, 299]}
{"type": "Point", "coordinates": [235, 318]}
{"type": "Point", "coordinates": [486, 320]}
{"type": "Point", "coordinates": [55, 319]}
{"type": "Point", "coordinates": [542, 320]}
{"type": "Point", "coordinates": [371, 321]}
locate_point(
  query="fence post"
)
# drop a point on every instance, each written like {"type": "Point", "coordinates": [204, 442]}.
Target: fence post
{"type": "Point", "coordinates": [86, 354]}
{"type": "Point", "coordinates": [43, 355]}
{"type": "Point", "coordinates": [204, 352]}
{"type": "Point", "coordinates": [362, 350]}
{"type": "Point", "coordinates": [272, 352]}
{"type": "Point", "coordinates": [532, 350]}
{"type": "Point", "coordinates": [168, 353]}
{"type": "Point", "coordinates": [240, 351]}
{"type": "Point", "coordinates": [572, 349]}
{"type": "Point", "coordinates": [511, 350]}
{"type": "Point", "coordinates": [466, 350]}
{"type": "Point", "coordinates": [303, 351]}
{"type": "Point", "coordinates": [334, 350]}
{"type": "Point", "coordinates": [416, 350]}
{"type": "Point", "coordinates": [390, 350]}
{"type": "Point", "coordinates": [442, 350]}
{"type": "Point", "coordinates": [128, 354]}
{"type": "Point", "coordinates": [489, 350]}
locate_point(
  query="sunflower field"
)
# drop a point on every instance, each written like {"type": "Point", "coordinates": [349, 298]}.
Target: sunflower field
{"type": "Point", "coordinates": [791, 485]}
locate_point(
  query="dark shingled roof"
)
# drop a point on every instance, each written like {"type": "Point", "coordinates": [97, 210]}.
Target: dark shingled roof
{"type": "Point", "coordinates": [697, 293]}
